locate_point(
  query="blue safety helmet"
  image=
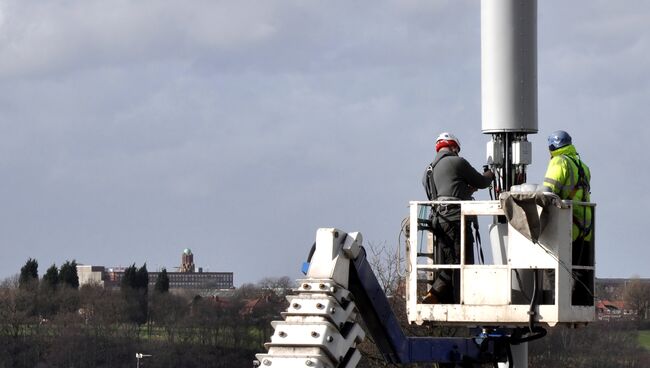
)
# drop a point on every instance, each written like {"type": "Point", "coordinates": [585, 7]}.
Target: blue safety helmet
{"type": "Point", "coordinates": [558, 139]}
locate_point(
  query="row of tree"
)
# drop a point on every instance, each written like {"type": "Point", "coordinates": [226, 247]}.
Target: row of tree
{"type": "Point", "coordinates": [95, 327]}
{"type": "Point", "coordinates": [58, 324]}
{"type": "Point", "coordinates": [134, 287]}
{"type": "Point", "coordinates": [66, 275]}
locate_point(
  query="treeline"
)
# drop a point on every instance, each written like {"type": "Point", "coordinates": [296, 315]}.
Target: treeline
{"type": "Point", "coordinates": [598, 345]}
{"type": "Point", "coordinates": [50, 322]}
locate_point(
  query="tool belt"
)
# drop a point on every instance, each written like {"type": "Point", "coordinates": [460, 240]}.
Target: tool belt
{"type": "Point", "coordinates": [445, 212]}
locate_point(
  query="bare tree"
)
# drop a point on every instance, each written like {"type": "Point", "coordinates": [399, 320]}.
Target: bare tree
{"type": "Point", "coordinates": [637, 296]}
{"type": "Point", "coordinates": [247, 291]}
{"type": "Point", "coordinates": [280, 286]}
{"type": "Point", "coordinates": [386, 262]}
{"type": "Point", "coordinates": [10, 282]}
{"type": "Point", "coordinates": [169, 311]}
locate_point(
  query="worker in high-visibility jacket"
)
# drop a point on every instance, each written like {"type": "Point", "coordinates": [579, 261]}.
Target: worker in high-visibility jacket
{"type": "Point", "coordinates": [569, 177]}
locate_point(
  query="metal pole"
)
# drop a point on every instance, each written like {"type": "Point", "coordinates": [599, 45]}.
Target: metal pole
{"type": "Point", "coordinates": [519, 356]}
{"type": "Point", "coordinates": [509, 88]}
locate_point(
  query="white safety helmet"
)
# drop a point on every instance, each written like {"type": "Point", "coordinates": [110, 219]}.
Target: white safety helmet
{"type": "Point", "coordinates": [446, 139]}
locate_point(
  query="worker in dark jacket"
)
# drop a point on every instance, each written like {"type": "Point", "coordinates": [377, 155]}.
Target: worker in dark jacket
{"type": "Point", "coordinates": [450, 178]}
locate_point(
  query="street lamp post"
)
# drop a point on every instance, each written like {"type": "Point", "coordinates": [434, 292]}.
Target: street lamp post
{"type": "Point", "coordinates": [139, 356]}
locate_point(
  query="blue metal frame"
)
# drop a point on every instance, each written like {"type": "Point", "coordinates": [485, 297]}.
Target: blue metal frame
{"type": "Point", "coordinates": [400, 349]}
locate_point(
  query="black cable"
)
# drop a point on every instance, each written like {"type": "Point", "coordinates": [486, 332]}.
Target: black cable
{"type": "Point", "coordinates": [566, 268]}
{"type": "Point", "coordinates": [531, 311]}
{"type": "Point", "coordinates": [534, 332]}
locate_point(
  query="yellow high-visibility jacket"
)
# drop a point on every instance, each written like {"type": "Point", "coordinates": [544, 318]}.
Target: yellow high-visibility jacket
{"type": "Point", "coordinates": [563, 178]}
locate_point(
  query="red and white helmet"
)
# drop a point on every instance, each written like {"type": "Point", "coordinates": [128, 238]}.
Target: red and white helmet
{"type": "Point", "coordinates": [446, 139]}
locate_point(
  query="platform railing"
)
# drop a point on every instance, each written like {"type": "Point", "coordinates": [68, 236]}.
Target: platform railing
{"type": "Point", "coordinates": [520, 273]}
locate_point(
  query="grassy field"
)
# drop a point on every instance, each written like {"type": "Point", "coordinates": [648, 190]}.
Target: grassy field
{"type": "Point", "coordinates": [644, 339]}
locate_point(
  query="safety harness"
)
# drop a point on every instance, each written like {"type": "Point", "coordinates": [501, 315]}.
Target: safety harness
{"type": "Point", "coordinates": [432, 194]}
{"type": "Point", "coordinates": [582, 183]}
{"type": "Point", "coordinates": [430, 187]}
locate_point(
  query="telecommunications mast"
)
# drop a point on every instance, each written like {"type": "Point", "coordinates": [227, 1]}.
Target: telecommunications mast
{"type": "Point", "coordinates": [509, 86]}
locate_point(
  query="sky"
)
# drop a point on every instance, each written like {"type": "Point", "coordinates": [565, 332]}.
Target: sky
{"type": "Point", "coordinates": [130, 130]}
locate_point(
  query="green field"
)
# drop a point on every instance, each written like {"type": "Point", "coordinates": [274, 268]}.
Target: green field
{"type": "Point", "coordinates": [644, 339]}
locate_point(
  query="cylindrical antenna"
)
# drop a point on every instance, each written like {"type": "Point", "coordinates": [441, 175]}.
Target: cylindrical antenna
{"type": "Point", "coordinates": [509, 66]}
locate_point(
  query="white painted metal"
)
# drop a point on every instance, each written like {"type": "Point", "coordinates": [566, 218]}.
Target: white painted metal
{"type": "Point", "coordinates": [290, 357]}
{"type": "Point", "coordinates": [331, 260]}
{"type": "Point", "coordinates": [322, 307]}
{"type": "Point", "coordinates": [311, 333]}
{"type": "Point", "coordinates": [486, 290]}
{"type": "Point", "coordinates": [494, 153]}
{"type": "Point", "coordinates": [498, 241]}
{"type": "Point", "coordinates": [522, 153]}
{"type": "Point", "coordinates": [509, 66]}
{"type": "Point", "coordinates": [323, 335]}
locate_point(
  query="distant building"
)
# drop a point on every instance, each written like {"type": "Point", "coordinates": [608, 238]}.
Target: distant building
{"type": "Point", "coordinates": [607, 310]}
{"type": "Point", "coordinates": [91, 275]}
{"type": "Point", "coordinates": [186, 278]}
{"type": "Point", "coordinates": [178, 280]}
{"type": "Point", "coordinates": [610, 295]}
{"type": "Point", "coordinates": [187, 261]}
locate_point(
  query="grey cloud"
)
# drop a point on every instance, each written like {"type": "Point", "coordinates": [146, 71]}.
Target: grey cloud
{"type": "Point", "coordinates": [134, 130]}
{"type": "Point", "coordinates": [39, 37]}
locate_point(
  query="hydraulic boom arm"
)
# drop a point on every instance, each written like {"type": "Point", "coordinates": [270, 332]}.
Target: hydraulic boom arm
{"type": "Point", "coordinates": [321, 329]}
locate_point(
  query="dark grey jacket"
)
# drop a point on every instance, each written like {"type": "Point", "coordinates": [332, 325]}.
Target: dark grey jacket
{"type": "Point", "coordinates": [452, 176]}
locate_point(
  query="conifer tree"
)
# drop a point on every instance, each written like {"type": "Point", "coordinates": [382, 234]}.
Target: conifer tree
{"type": "Point", "coordinates": [142, 278]}
{"type": "Point", "coordinates": [129, 279]}
{"type": "Point", "coordinates": [68, 274]}
{"type": "Point", "coordinates": [28, 274]}
{"type": "Point", "coordinates": [162, 282]}
{"type": "Point", "coordinates": [51, 277]}
{"type": "Point", "coordinates": [134, 287]}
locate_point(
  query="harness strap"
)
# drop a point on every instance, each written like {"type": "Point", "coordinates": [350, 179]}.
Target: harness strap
{"type": "Point", "coordinates": [581, 183]}
{"type": "Point", "coordinates": [584, 229]}
{"type": "Point", "coordinates": [432, 191]}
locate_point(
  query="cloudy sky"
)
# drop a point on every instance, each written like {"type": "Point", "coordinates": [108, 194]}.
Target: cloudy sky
{"type": "Point", "coordinates": [130, 130]}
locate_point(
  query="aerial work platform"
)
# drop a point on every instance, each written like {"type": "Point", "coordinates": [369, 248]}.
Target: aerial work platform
{"type": "Point", "coordinates": [523, 281]}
